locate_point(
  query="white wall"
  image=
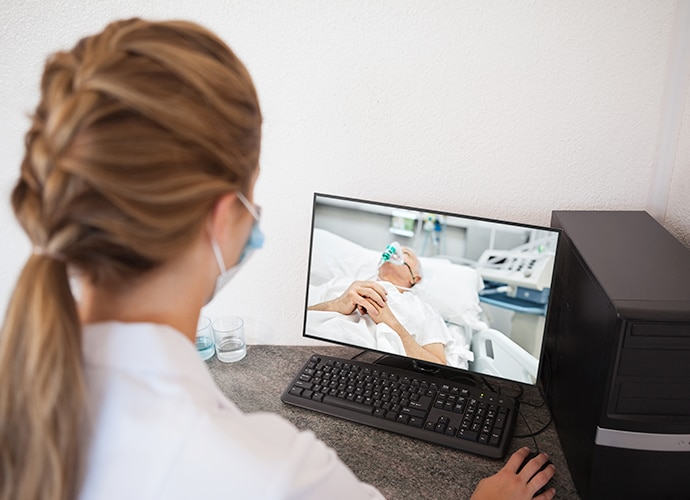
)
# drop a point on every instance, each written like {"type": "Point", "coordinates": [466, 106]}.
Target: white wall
{"type": "Point", "coordinates": [500, 109]}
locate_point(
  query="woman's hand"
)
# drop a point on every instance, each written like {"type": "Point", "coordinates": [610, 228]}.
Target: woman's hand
{"type": "Point", "coordinates": [508, 484]}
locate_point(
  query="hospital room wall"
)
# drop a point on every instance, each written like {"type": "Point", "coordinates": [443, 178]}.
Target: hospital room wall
{"type": "Point", "coordinates": [501, 109]}
{"type": "Point", "coordinates": [460, 241]}
{"type": "Point", "coordinates": [372, 231]}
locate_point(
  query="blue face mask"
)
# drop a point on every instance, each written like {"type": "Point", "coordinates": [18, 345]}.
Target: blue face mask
{"type": "Point", "coordinates": [255, 242]}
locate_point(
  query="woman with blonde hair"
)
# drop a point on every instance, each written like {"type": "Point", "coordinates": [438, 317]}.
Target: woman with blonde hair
{"type": "Point", "coordinates": [138, 182]}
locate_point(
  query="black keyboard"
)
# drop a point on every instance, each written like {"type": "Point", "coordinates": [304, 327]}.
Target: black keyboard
{"type": "Point", "coordinates": [418, 405]}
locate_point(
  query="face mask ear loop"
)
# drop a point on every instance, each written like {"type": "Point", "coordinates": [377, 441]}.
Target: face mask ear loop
{"type": "Point", "coordinates": [250, 208]}
{"type": "Point", "coordinates": [219, 256]}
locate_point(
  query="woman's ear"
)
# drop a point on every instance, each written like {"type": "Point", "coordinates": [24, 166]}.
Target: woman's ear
{"type": "Point", "coordinates": [219, 218]}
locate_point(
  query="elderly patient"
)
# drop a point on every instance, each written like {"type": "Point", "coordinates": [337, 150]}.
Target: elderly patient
{"type": "Point", "coordinates": [410, 323]}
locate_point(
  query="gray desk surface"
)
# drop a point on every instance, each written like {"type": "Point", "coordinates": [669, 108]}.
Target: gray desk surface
{"type": "Point", "coordinates": [398, 466]}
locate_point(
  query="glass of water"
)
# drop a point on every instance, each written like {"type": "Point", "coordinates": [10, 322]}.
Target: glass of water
{"type": "Point", "coordinates": [204, 338]}
{"type": "Point", "coordinates": [228, 333]}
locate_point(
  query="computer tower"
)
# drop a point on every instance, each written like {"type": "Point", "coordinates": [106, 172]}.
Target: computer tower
{"type": "Point", "coordinates": [616, 370]}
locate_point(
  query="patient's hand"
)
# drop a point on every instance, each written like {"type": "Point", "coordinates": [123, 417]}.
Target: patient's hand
{"type": "Point", "coordinates": [430, 352]}
{"type": "Point", "coordinates": [380, 313]}
{"type": "Point", "coordinates": [361, 295]}
{"type": "Point", "coordinates": [508, 484]}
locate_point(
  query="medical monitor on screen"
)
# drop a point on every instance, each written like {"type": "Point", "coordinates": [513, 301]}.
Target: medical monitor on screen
{"type": "Point", "coordinates": [470, 293]}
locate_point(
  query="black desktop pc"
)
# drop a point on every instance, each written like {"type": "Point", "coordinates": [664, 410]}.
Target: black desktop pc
{"type": "Point", "coordinates": [616, 362]}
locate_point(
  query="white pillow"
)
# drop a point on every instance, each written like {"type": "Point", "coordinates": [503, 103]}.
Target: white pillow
{"type": "Point", "coordinates": [452, 290]}
{"type": "Point", "coordinates": [333, 255]}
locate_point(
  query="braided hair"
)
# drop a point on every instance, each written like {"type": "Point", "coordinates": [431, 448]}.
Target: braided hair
{"type": "Point", "coordinates": [139, 130]}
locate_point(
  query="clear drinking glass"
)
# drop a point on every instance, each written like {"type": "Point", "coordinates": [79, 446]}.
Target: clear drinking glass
{"type": "Point", "coordinates": [228, 334]}
{"type": "Point", "coordinates": [204, 338]}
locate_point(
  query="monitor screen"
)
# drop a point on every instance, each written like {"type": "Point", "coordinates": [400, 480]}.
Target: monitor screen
{"type": "Point", "coordinates": [442, 289]}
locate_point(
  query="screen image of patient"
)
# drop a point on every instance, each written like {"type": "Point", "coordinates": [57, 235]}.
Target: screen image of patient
{"type": "Point", "coordinates": [431, 302]}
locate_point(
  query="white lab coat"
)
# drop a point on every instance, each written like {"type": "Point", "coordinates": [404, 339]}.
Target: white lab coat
{"type": "Point", "coordinates": [160, 428]}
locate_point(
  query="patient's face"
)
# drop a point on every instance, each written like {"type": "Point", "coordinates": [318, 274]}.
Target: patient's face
{"type": "Point", "coordinates": [404, 276]}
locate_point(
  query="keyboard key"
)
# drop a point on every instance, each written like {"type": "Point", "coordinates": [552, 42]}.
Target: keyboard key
{"type": "Point", "coordinates": [500, 422]}
{"type": "Point", "coordinates": [423, 403]}
{"type": "Point", "coordinates": [495, 439]}
{"type": "Point", "coordinates": [415, 422]}
{"type": "Point", "coordinates": [350, 405]}
{"type": "Point", "coordinates": [467, 434]}
{"type": "Point", "coordinates": [413, 413]}
{"type": "Point", "coordinates": [391, 415]}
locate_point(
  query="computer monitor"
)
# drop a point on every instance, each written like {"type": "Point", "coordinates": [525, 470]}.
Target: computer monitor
{"type": "Point", "coordinates": [480, 294]}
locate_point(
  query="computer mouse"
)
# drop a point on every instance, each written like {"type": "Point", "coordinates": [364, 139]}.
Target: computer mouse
{"type": "Point", "coordinates": [530, 456]}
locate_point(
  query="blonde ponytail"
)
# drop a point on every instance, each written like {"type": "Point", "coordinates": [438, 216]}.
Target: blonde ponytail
{"type": "Point", "coordinates": [42, 395]}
